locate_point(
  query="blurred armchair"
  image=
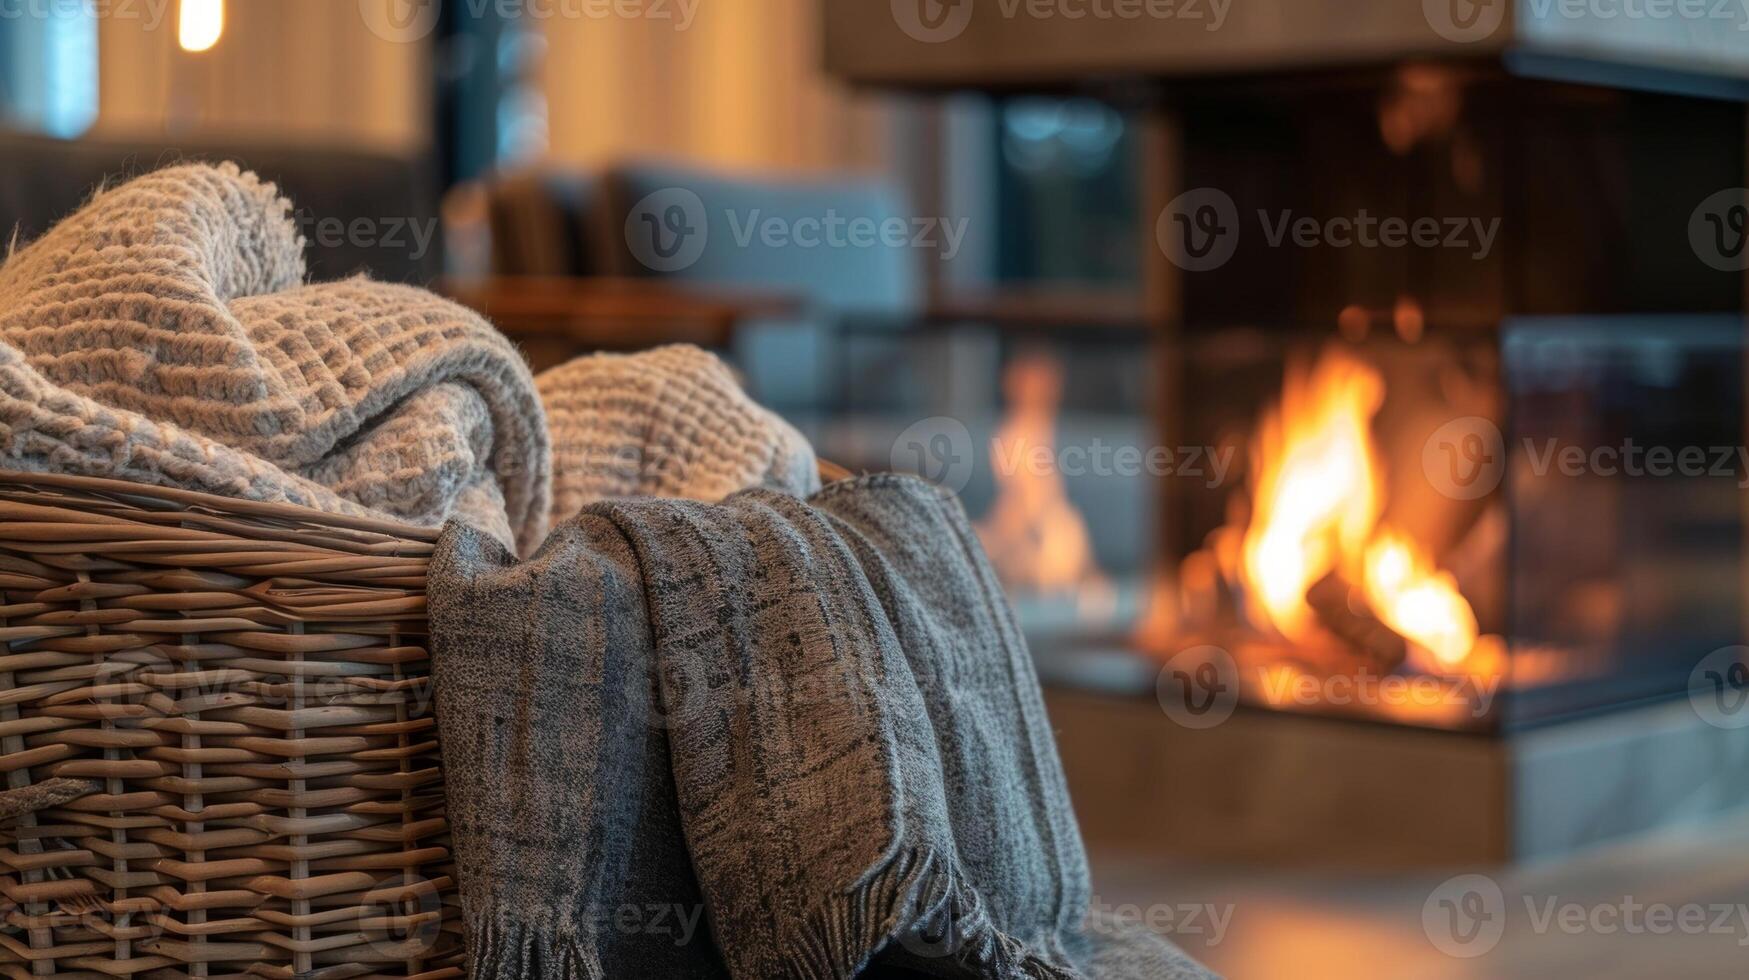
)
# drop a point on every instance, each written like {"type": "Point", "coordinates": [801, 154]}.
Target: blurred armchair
{"type": "Point", "coordinates": [769, 234]}
{"type": "Point", "coordinates": [540, 254]}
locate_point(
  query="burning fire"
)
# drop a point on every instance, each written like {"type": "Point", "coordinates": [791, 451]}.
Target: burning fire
{"type": "Point", "coordinates": [1420, 602]}
{"type": "Point", "coordinates": [1318, 496]}
{"type": "Point", "coordinates": [1316, 493]}
{"type": "Point", "coordinates": [1035, 537]}
{"type": "Point", "coordinates": [1314, 551]}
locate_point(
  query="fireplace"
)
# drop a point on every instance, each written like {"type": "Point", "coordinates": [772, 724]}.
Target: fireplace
{"type": "Point", "coordinates": [1468, 333]}
{"type": "Point", "coordinates": [1496, 460]}
{"type": "Point", "coordinates": [1491, 533]}
{"type": "Point", "coordinates": [1490, 473]}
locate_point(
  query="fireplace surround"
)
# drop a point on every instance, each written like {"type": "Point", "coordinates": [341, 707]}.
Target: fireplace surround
{"type": "Point", "coordinates": [1469, 318]}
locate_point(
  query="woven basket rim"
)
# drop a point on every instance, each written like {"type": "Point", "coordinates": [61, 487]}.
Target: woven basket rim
{"type": "Point", "coordinates": [126, 491]}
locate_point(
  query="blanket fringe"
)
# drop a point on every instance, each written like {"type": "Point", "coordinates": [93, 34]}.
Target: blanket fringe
{"type": "Point", "coordinates": [919, 908]}
{"type": "Point", "coordinates": [501, 948]}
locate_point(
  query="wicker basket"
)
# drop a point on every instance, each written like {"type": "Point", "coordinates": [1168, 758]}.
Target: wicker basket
{"type": "Point", "coordinates": [246, 688]}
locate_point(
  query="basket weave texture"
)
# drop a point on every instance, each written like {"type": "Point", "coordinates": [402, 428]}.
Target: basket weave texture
{"type": "Point", "coordinates": [247, 690]}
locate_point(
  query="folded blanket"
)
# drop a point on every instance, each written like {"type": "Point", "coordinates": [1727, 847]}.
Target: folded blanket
{"type": "Point", "coordinates": [163, 334]}
{"type": "Point", "coordinates": [671, 422]}
{"type": "Point", "coordinates": [558, 790]}
{"type": "Point", "coordinates": [817, 719]}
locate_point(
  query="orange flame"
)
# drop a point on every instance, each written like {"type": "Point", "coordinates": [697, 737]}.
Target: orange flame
{"type": "Point", "coordinates": [1420, 602]}
{"type": "Point", "coordinates": [1035, 537]}
{"type": "Point", "coordinates": [1318, 494]}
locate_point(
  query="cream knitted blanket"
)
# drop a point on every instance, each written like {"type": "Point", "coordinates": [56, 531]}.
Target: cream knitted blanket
{"type": "Point", "coordinates": [163, 334]}
{"type": "Point", "coordinates": [671, 422]}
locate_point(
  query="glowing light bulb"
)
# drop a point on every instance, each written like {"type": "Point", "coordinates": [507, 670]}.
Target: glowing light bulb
{"type": "Point", "coordinates": [200, 24]}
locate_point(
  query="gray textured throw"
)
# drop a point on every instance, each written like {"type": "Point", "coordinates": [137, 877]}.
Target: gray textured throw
{"type": "Point", "coordinates": [814, 720]}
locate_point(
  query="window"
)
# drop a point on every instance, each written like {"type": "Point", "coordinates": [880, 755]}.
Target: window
{"type": "Point", "coordinates": [48, 68]}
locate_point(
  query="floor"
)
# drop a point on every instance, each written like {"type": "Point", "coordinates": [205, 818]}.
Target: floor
{"type": "Point", "coordinates": [1672, 907]}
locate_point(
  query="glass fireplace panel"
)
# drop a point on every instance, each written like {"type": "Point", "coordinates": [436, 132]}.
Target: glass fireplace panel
{"type": "Point", "coordinates": [1626, 489]}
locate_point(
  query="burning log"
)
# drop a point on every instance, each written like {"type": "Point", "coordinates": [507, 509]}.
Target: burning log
{"type": "Point", "coordinates": [1357, 627]}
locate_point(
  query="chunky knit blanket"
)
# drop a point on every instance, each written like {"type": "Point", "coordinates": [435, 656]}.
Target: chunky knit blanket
{"type": "Point", "coordinates": [763, 739]}
{"type": "Point", "coordinates": [671, 422]}
{"type": "Point", "coordinates": [164, 334]}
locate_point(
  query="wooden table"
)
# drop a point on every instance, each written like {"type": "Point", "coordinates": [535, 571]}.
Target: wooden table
{"type": "Point", "coordinates": [556, 318]}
